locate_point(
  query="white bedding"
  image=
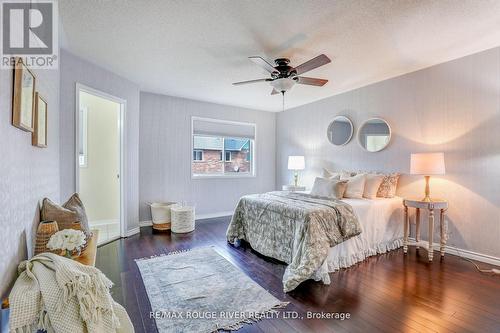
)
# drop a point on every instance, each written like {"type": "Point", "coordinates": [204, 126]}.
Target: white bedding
{"type": "Point", "coordinates": [381, 220]}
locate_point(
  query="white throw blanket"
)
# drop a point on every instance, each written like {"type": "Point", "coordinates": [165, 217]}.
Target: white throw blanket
{"type": "Point", "coordinates": [61, 295]}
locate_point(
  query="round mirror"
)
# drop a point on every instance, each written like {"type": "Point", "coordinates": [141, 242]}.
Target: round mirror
{"type": "Point", "coordinates": [374, 135]}
{"type": "Point", "coordinates": [340, 131]}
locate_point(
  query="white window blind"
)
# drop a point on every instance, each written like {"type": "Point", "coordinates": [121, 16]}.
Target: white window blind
{"type": "Point", "coordinates": [212, 127]}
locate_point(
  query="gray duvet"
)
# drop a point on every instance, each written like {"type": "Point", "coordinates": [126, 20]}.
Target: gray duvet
{"type": "Point", "coordinates": [295, 228]}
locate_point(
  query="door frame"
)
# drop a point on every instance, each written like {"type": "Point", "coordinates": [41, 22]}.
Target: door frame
{"type": "Point", "coordinates": [123, 135]}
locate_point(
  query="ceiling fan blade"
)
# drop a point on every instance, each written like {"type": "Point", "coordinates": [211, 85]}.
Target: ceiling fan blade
{"type": "Point", "coordinates": [250, 81]}
{"type": "Point", "coordinates": [312, 64]}
{"type": "Point", "coordinates": [274, 92]}
{"type": "Point", "coordinates": [311, 81]}
{"type": "Point", "coordinates": [259, 61]}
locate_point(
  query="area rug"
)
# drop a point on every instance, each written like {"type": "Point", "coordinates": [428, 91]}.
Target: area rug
{"type": "Point", "coordinates": [200, 291]}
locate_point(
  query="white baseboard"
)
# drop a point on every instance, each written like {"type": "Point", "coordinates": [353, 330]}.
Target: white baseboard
{"type": "Point", "coordinates": [145, 223]}
{"type": "Point", "coordinates": [464, 253]}
{"type": "Point", "coordinates": [213, 215]}
{"type": "Point", "coordinates": [132, 232]}
{"type": "Point", "coordinates": [98, 223]}
{"type": "Point", "coordinates": [198, 217]}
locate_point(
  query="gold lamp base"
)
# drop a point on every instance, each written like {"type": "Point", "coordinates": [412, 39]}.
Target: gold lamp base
{"type": "Point", "coordinates": [427, 197]}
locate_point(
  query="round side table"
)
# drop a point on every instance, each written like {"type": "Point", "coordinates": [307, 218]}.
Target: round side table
{"type": "Point", "coordinates": [442, 206]}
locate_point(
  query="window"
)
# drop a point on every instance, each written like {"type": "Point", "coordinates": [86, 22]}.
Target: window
{"type": "Point", "coordinates": [222, 148]}
{"type": "Point", "coordinates": [197, 155]}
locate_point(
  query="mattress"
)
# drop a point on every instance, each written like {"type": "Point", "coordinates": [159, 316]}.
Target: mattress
{"type": "Point", "coordinates": [381, 221]}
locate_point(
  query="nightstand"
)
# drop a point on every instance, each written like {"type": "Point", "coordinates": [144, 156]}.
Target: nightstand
{"type": "Point", "coordinates": [293, 188]}
{"type": "Point", "coordinates": [435, 204]}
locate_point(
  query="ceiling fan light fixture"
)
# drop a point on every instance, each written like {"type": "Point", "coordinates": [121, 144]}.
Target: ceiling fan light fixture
{"type": "Point", "coordinates": [283, 84]}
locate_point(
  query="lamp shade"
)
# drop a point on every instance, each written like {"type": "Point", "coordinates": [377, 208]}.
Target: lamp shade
{"type": "Point", "coordinates": [427, 164]}
{"type": "Point", "coordinates": [296, 163]}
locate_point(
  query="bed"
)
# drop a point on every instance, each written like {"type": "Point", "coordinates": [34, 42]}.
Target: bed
{"type": "Point", "coordinates": [314, 235]}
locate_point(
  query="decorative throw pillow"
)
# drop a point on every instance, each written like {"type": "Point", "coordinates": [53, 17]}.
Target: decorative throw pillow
{"type": "Point", "coordinates": [65, 218]}
{"type": "Point", "coordinates": [388, 186]}
{"type": "Point", "coordinates": [355, 186]}
{"type": "Point", "coordinates": [75, 204]}
{"type": "Point", "coordinates": [330, 175]}
{"type": "Point", "coordinates": [71, 215]}
{"type": "Point", "coordinates": [372, 185]}
{"type": "Point", "coordinates": [329, 188]}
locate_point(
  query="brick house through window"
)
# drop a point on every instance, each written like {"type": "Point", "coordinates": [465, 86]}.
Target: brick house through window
{"type": "Point", "coordinates": [221, 156]}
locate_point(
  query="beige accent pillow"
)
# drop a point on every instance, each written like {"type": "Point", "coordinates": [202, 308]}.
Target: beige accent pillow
{"type": "Point", "coordinates": [372, 184]}
{"type": "Point", "coordinates": [65, 218]}
{"type": "Point", "coordinates": [71, 215]}
{"type": "Point", "coordinates": [355, 186]}
{"type": "Point", "coordinates": [75, 204]}
{"type": "Point", "coordinates": [388, 186]}
{"type": "Point", "coordinates": [330, 175]}
{"type": "Point", "coordinates": [329, 188]}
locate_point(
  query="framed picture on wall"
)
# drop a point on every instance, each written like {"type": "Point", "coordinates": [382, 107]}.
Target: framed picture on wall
{"type": "Point", "coordinates": [24, 97]}
{"type": "Point", "coordinates": [39, 136]}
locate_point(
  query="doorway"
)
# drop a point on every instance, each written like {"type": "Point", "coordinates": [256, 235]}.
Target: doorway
{"type": "Point", "coordinates": [99, 160]}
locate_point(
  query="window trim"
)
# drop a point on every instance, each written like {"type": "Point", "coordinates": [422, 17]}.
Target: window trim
{"type": "Point", "coordinates": [253, 174]}
{"type": "Point", "coordinates": [230, 156]}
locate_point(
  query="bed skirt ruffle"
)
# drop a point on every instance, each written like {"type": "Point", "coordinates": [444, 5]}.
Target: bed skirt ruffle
{"type": "Point", "coordinates": [334, 264]}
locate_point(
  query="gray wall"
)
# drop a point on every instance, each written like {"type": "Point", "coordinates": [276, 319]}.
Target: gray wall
{"type": "Point", "coordinates": [27, 174]}
{"type": "Point", "coordinates": [452, 107]}
{"type": "Point", "coordinates": [165, 155]}
{"type": "Point", "coordinates": [73, 70]}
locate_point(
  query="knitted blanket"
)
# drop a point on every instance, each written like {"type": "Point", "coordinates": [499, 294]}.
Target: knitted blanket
{"type": "Point", "coordinates": [57, 294]}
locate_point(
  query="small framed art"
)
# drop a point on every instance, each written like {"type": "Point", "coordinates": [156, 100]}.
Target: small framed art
{"type": "Point", "coordinates": [39, 136]}
{"type": "Point", "coordinates": [24, 97]}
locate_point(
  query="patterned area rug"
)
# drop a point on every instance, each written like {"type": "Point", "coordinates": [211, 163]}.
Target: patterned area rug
{"type": "Point", "coordinates": [200, 291]}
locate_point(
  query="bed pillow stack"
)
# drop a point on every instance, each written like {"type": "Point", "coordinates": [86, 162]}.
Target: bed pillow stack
{"type": "Point", "coordinates": [366, 185]}
{"type": "Point", "coordinates": [372, 185]}
{"type": "Point", "coordinates": [337, 175]}
{"type": "Point", "coordinates": [355, 186]}
{"type": "Point", "coordinates": [329, 188]}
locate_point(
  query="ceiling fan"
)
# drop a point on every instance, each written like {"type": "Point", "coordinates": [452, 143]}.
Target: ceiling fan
{"type": "Point", "coordinates": [284, 76]}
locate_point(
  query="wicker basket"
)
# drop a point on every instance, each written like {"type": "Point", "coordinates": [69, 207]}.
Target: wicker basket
{"type": "Point", "coordinates": [183, 219]}
{"type": "Point", "coordinates": [45, 230]}
{"type": "Point", "coordinates": [160, 215]}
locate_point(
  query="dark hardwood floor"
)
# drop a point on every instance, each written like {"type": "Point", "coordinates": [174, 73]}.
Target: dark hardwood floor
{"type": "Point", "coordinates": [385, 293]}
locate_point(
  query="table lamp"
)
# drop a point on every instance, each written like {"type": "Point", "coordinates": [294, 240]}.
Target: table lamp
{"type": "Point", "coordinates": [427, 164]}
{"type": "Point", "coordinates": [296, 163]}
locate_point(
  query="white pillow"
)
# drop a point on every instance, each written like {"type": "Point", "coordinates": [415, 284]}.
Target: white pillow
{"type": "Point", "coordinates": [337, 175]}
{"type": "Point", "coordinates": [355, 186]}
{"type": "Point", "coordinates": [330, 175]}
{"type": "Point", "coordinates": [347, 174]}
{"type": "Point", "coordinates": [329, 188]}
{"type": "Point", "coordinates": [372, 184]}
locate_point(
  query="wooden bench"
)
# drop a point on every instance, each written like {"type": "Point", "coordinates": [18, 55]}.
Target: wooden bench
{"type": "Point", "coordinates": [87, 257]}
{"type": "Point", "coordinates": [89, 254]}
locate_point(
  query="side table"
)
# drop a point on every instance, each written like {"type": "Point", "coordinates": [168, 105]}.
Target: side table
{"type": "Point", "coordinates": [440, 205]}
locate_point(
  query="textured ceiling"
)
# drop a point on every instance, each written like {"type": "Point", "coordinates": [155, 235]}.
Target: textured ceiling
{"type": "Point", "coordinates": [196, 49]}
